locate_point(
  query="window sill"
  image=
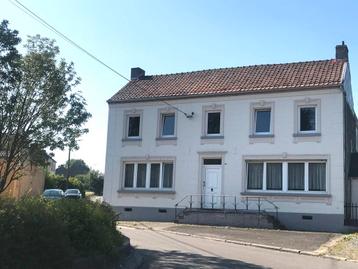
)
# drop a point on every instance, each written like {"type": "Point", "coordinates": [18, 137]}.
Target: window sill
{"type": "Point", "coordinates": [212, 139]}
{"type": "Point", "coordinates": [286, 194]}
{"type": "Point", "coordinates": [146, 191]}
{"type": "Point", "coordinates": [306, 134]}
{"type": "Point", "coordinates": [131, 141]}
{"type": "Point", "coordinates": [306, 137]}
{"type": "Point", "coordinates": [261, 138]}
{"type": "Point", "coordinates": [171, 140]}
{"type": "Point", "coordinates": [166, 138]}
{"type": "Point", "coordinates": [261, 135]}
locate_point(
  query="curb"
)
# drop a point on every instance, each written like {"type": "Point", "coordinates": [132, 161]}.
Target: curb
{"type": "Point", "coordinates": [242, 243]}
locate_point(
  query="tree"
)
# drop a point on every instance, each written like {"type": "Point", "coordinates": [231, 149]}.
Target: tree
{"type": "Point", "coordinates": [77, 167]}
{"type": "Point", "coordinates": [40, 108]}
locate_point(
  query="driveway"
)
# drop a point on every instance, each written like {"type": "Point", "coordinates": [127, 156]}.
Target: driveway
{"type": "Point", "coordinates": [167, 250]}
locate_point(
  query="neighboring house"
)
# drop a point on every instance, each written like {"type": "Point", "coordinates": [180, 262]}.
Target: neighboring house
{"type": "Point", "coordinates": [31, 184]}
{"type": "Point", "coordinates": [279, 133]}
{"type": "Point", "coordinates": [32, 181]}
{"type": "Point", "coordinates": [51, 167]}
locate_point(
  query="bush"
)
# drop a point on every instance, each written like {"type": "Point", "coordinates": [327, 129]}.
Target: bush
{"type": "Point", "coordinates": [36, 233]}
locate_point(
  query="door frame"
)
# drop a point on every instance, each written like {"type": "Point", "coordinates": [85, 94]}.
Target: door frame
{"type": "Point", "coordinates": [210, 155]}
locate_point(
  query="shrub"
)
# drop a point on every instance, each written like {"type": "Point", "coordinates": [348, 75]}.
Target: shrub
{"type": "Point", "coordinates": [36, 233]}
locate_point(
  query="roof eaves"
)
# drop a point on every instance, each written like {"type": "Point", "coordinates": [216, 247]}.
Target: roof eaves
{"type": "Point", "coordinates": [232, 93]}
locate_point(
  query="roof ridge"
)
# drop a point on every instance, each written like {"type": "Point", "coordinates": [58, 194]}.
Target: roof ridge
{"type": "Point", "coordinates": [243, 66]}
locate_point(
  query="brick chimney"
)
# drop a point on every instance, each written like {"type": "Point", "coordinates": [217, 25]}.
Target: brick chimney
{"type": "Point", "coordinates": [137, 73]}
{"type": "Point", "coordinates": [342, 52]}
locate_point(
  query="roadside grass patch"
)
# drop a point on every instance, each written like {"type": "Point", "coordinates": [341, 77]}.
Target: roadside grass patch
{"type": "Point", "coordinates": [347, 247]}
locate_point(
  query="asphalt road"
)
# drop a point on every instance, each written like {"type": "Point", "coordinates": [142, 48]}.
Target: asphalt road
{"type": "Point", "coordinates": [165, 250]}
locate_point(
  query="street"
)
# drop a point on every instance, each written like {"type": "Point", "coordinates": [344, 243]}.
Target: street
{"type": "Point", "coordinates": [166, 250]}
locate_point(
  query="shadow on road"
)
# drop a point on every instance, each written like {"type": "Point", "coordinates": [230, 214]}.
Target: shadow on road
{"type": "Point", "coordinates": [175, 259]}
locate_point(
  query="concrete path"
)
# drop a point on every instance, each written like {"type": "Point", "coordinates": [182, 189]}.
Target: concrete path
{"type": "Point", "coordinates": [304, 241]}
{"type": "Point", "coordinates": [166, 250]}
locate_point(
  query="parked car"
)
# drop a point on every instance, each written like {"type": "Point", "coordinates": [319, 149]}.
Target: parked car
{"type": "Point", "coordinates": [73, 193]}
{"type": "Point", "coordinates": [53, 194]}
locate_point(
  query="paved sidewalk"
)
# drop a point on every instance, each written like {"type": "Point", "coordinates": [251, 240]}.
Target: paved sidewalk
{"type": "Point", "coordinates": [304, 241]}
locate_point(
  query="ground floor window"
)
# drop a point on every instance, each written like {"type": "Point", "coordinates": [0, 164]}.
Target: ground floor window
{"type": "Point", "coordinates": [288, 176]}
{"type": "Point", "coordinates": [148, 175]}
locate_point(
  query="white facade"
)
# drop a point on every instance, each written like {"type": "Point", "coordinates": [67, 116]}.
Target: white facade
{"type": "Point", "coordinates": [236, 145]}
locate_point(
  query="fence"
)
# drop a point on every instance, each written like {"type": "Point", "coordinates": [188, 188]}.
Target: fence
{"type": "Point", "coordinates": [351, 214]}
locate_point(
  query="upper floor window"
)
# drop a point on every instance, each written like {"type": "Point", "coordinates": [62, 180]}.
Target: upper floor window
{"type": "Point", "coordinates": [307, 115]}
{"type": "Point", "coordinates": [307, 119]}
{"type": "Point", "coordinates": [133, 126]}
{"type": "Point", "coordinates": [213, 121]}
{"type": "Point", "coordinates": [263, 121]}
{"type": "Point", "coordinates": [213, 124]}
{"type": "Point", "coordinates": [167, 124]}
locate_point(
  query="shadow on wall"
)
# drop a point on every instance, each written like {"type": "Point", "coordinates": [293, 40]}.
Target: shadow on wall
{"type": "Point", "coordinates": [178, 260]}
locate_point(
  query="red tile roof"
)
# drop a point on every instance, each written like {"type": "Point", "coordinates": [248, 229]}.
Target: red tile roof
{"type": "Point", "coordinates": [234, 81]}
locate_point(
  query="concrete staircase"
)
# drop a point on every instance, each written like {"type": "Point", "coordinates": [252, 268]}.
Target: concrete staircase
{"type": "Point", "coordinates": [248, 212]}
{"type": "Point", "coordinates": [238, 218]}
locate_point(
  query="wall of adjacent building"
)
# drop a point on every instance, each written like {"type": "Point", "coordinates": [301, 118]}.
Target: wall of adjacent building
{"type": "Point", "coordinates": [30, 184]}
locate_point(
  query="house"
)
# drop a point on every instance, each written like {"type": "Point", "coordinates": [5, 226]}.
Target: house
{"type": "Point", "coordinates": [30, 184]}
{"type": "Point", "coordinates": [32, 180]}
{"type": "Point", "coordinates": [275, 138]}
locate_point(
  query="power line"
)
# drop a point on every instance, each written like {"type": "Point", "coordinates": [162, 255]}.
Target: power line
{"type": "Point", "coordinates": [33, 15]}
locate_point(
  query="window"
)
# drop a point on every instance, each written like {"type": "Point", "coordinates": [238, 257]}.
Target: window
{"type": "Point", "coordinates": [307, 119]}
{"type": "Point", "coordinates": [287, 176]}
{"type": "Point", "coordinates": [167, 175]}
{"type": "Point", "coordinates": [154, 175]}
{"type": "Point", "coordinates": [128, 175]}
{"type": "Point", "coordinates": [296, 176]}
{"type": "Point", "coordinates": [168, 124]}
{"type": "Point", "coordinates": [262, 121]}
{"type": "Point", "coordinates": [141, 175]}
{"type": "Point", "coordinates": [213, 124]}
{"type": "Point", "coordinates": [274, 176]}
{"type": "Point", "coordinates": [149, 175]}
{"type": "Point", "coordinates": [317, 176]}
{"type": "Point", "coordinates": [255, 176]}
{"type": "Point", "coordinates": [133, 126]}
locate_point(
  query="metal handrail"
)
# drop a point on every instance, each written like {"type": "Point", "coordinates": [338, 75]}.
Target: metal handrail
{"type": "Point", "coordinates": [223, 200]}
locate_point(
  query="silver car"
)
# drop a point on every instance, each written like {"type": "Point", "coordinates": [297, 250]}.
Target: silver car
{"type": "Point", "coordinates": [73, 193]}
{"type": "Point", "coordinates": [53, 194]}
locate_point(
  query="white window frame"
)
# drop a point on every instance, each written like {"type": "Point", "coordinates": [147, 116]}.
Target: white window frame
{"type": "Point", "coordinates": [299, 119]}
{"type": "Point", "coordinates": [161, 114]}
{"type": "Point", "coordinates": [285, 176]}
{"type": "Point", "coordinates": [212, 109]}
{"type": "Point", "coordinates": [128, 114]}
{"type": "Point", "coordinates": [147, 180]}
{"type": "Point", "coordinates": [307, 103]}
{"type": "Point", "coordinates": [257, 106]}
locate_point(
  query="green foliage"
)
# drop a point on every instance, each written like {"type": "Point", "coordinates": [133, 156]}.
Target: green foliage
{"type": "Point", "coordinates": [96, 180]}
{"type": "Point", "coordinates": [40, 107]}
{"type": "Point", "coordinates": [77, 167]}
{"type": "Point", "coordinates": [36, 233]}
{"type": "Point", "coordinates": [32, 236]}
{"type": "Point", "coordinates": [81, 177]}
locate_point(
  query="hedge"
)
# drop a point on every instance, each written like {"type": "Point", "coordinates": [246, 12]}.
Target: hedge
{"type": "Point", "coordinates": [36, 233]}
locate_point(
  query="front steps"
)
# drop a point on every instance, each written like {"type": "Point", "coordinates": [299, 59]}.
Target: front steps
{"type": "Point", "coordinates": [234, 218]}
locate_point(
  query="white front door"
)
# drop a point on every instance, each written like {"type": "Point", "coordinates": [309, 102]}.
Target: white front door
{"type": "Point", "coordinates": [212, 186]}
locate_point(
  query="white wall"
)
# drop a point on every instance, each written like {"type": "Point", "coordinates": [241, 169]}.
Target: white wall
{"type": "Point", "coordinates": [236, 145]}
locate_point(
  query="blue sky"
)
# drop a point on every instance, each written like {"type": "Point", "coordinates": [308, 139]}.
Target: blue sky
{"type": "Point", "coordinates": [177, 36]}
